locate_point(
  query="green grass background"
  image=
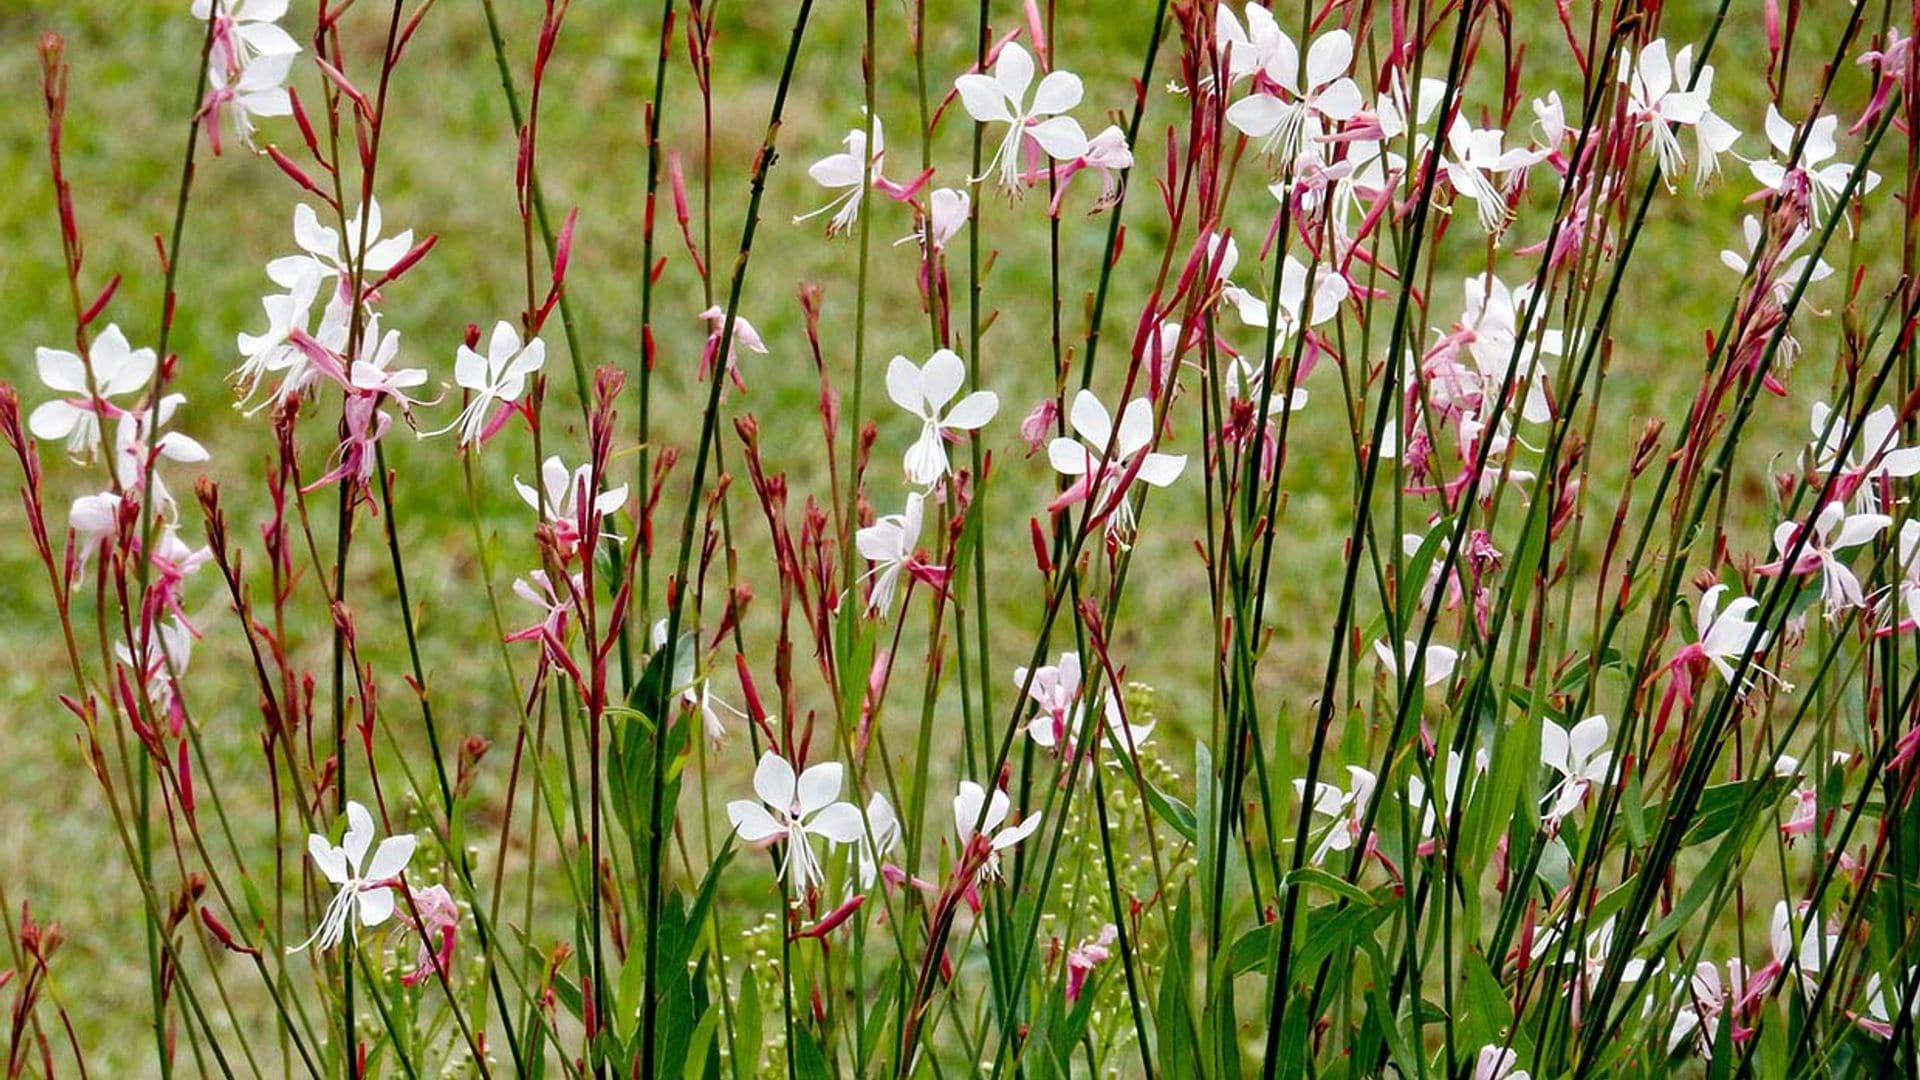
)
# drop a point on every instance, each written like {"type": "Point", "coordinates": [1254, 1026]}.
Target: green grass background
{"type": "Point", "coordinates": [446, 168]}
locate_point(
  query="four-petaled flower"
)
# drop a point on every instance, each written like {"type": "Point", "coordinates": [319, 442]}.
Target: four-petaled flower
{"type": "Point", "coordinates": [117, 368]}
{"type": "Point", "coordinates": [889, 545]}
{"type": "Point", "coordinates": [924, 390]}
{"type": "Point", "coordinates": [1001, 98]}
{"type": "Point", "coordinates": [1580, 757]}
{"type": "Point", "coordinates": [849, 173]}
{"type": "Point", "coordinates": [977, 820]}
{"type": "Point", "coordinates": [499, 376]}
{"type": "Point", "coordinates": [1287, 124]}
{"type": "Point", "coordinates": [325, 256]}
{"type": "Point", "coordinates": [1664, 95]}
{"type": "Point", "coordinates": [562, 499]}
{"type": "Point", "coordinates": [1103, 462]}
{"type": "Point", "coordinates": [365, 884]}
{"type": "Point", "coordinates": [795, 809]}
{"type": "Point", "coordinates": [1348, 809]}
{"type": "Point", "coordinates": [1833, 530]}
{"type": "Point", "coordinates": [1815, 182]}
{"type": "Point", "coordinates": [244, 29]}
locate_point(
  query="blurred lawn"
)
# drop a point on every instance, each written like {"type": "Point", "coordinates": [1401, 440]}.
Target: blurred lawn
{"type": "Point", "coordinates": [446, 169]}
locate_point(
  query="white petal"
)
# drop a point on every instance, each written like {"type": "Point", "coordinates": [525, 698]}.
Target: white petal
{"type": "Point", "coordinates": [1161, 470]}
{"type": "Point", "coordinates": [54, 420]}
{"type": "Point", "coordinates": [1328, 57]}
{"type": "Point", "coordinates": [983, 99]}
{"type": "Point", "coordinates": [942, 377]}
{"type": "Point", "coordinates": [1058, 92]}
{"type": "Point", "coordinates": [1090, 421]}
{"type": "Point", "coordinates": [752, 822]}
{"type": "Point", "coordinates": [774, 782]}
{"type": "Point", "coordinates": [390, 857]}
{"type": "Point", "coordinates": [1061, 137]}
{"type": "Point", "coordinates": [977, 408]}
{"type": "Point", "coordinates": [331, 860]}
{"type": "Point", "coordinates": [1014, 71]}
{"type": "Point", "coordinates": [966, 808]}
{"type": "Point", "coordinates": [376, 906]}
{"type": "Point", "coordinates": [839, 822]}
{"type": "Point", "coordinates": [61, 370]}
{"type": "Point", "coordinates": [1136, 428]}
{"type": "Point", "coordinates": [359, 835]}
{"type": "Point", "coordinates": [818, 786]}
{"type": "Point", "coordinates": [1069, 457]}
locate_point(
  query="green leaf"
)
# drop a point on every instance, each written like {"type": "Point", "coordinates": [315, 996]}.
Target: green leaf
{"type": "Point", "coordinates": [746, 1025]}
{"type": "Point", "coordinates": [700, 1046]}
{"type": "Point", "coordinates": [1178, 1054]}
{"type": "Point", "coordinates": [1486, 1014]}
{"type": "Point", "coordinates": [1251, 950]}
{"type": "Point", "coordinates": [1317, 878]}
{"type": "Point", "coordinates": [809, 1061]}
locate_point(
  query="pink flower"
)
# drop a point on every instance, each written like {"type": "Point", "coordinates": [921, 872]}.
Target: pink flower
{"type": "Point", "coordinates": [1084, 957]}
{"type": "Point", "coordinates": [744, 337]}
{"type": "Point", "coordinates": [438, 925]}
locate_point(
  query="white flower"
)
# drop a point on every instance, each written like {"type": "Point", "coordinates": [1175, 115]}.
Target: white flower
{"type": "Point", "coordinates": [245, 29]}
{"type": "Point", "coordinates": [1474, 158]}
{"type": "Point", "coordinates": [1725, 635]}
{"type": "Point", "coordinates": [1491, 320]}
{"type": "Point", "coordinates": [1050, 733]}
{"type": "Point", "coordinates": [499, 376]}
{"type": "Point", "coordinates": [1908, 588]}
{"type": "Point", "coordinates": [976, 819]}
{"type": "Point", "coordinates": [1659, 97]}
{"type": "Point", "coordinates": [1834, 530]}
{"type": "Point", "coordinates": [325, 255]}
{"type": "Point", "coordinates": [1055, 688]}
{"type": "Point", "coordinates": [1347, 808]}
{"type": "Point", "coordinates": [136, 451]}
{"type": "Point", "coordinates": [1785, 281]}
{"type": "Point", "coordinates": [1261, 44]}
{"type": "Point", "coordinates": [1599, 947]}
{"type": "Point", "coordinates": [744, 337]}
{"type": "Point", "coordinates": [1581, 759]}
{"type": "Point", "coordinates": [947, 212]}
{"type": "Point", "coordinates": [1438, 669]}
{"type": "Point", "coordinates": [1291, 309]}
{"type": "Point", "coordinates": [848, 174]}
{"type": "Point", "coordinates": [1001, 98]}
{"type": "Point", "coordinates": [1498, 1063]}
{"type": "Point", "coordinates": [888, 544]}
{"type": "Point", "coordinates": [1815, 181]}
{"type": "Point", "coordinates": [559, 497]}
{"type": "Point", "coordinates": [1810, 955]}
{"type": "Point", "coordinates": [880, 836]}
{"type": "Point", "coordinates": [258, 90]}
{"type": "Point", "coordinates": [803, 806]}
{"type": "Point", "coordinates": [698, 695]}
{"type": "Point", "coordinates": [278, 349]}
{"type": "Point", "coordinates": [163, 658]}
{"type": "Point", "coordinates": [1876, 452]}
{"type": "Point", "coordinates": [1102, 475]}
{"type": "Point", "coordinates": [373, 373]}
{"type": "Point", "coordinates": [925, 391]}
{"type": "Point", "coordinates": [1431, 810]}
{"type": "Point", "coordinates": [93, 518]}
{"type": "Point", "coordinates": [1882, 1002]}
{"type": "Point", "coordinates": [1703, 997]}
{"type": "Point", "coordinates": [1286, 125]}
{"type": "Point", "coordinates": [117, 369]}
{"type": "Point", "coordinates": [364, 884]}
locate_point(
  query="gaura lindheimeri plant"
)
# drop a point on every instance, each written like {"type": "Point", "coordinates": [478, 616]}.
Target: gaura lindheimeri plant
{"type": "Point", "coordinates": [580, 613]}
